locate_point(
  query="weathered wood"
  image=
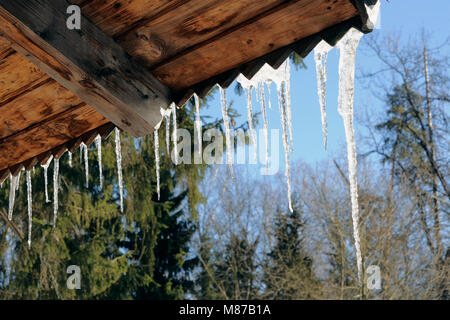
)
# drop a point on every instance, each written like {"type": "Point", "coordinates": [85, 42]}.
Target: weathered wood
{"type": "Point", "coordinates": [187, 25]}
{"type": "Point", "coordinates": [279, 27]}
{"type": "Point", "coordinates": [88, 62]}
{"type": "Point", "coordinates": [35, 106]}
{"type": "Point", "coordinates": [119, 16]}
{"type": "Point", "coordinates": [18, 75]}
{"type": "Point", "coordinates": [47, 135]}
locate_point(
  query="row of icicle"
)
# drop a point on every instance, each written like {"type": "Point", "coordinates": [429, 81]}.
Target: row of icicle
{"type": "Point", "coordinates": [266, 75]}
{"type": "Point", "coordinates": [14, 180]}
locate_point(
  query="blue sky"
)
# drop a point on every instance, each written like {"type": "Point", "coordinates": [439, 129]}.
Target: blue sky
{"type": "Point", "coordinates": [405, 16]}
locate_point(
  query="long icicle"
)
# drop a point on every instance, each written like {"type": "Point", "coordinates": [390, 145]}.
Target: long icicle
{"type": "Point", "coordinates": [250, 121]}
{"type": "Point", "coordinates": [284, 129]}
{"type": "Point", "coordinates": [262, 101]}
{"type": "Point", "coordinates": [226, 124]}
{"type": "Point", "coordinates": [86, 163]}
{"type": "Point", "coordinates": [167, 117]}
{"type": "Point", "coordinates": [30, 207]}
{"type": "Point", "coordinates": [45, 166]}
{"type": "Point", "coordinates": [157, 163]}
{"type": "Point", "coordinates": [55, 190]}
{"type": "Point", "coordinates": [175, 133]}
{"type": "Point", "coordinates": [12, 194]}
{"type": "Point", "coordinates": [119, 166]}
{"type": "Point", "coordinates": [98, 143]}
{"type": "Point", "coordinates": [198, 124]}
{"type": "Point", "coordinates": [320, 57]}
{"type": "Point", "coordinates": [287, 82]}
{"type": "Point", "coordinates": [348, 46]}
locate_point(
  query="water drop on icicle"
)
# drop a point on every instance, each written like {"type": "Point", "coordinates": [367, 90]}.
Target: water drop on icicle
{"type": "Point", "coordinates": [119, 166]}
{"type": "Point", "coordinates": [30, 207]}
{"type": "Point", "coordinates": [12, 194]}
{"type": "Point", "coordinates": [198, 125]}
{"type": "Point", "coordinates": [45, 166]}
{"type": "Point", "coordinates": [175, 133]}
{"type": "Point", "coordinates": [320, 57]}
{"type": "Point", "coordinates": [226, 124]}
{"type": "Point", "coordinates": [55, 190]}
{"type": "Point", "coordinates": [98, 143]}
{"type": "Point", "coordinates": [348, 45]}
{"type": "Point", "coordinates": [157, 163]}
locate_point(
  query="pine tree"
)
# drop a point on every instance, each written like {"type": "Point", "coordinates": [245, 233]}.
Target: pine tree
{"type": "Point", "coordinates": [289, 271]}
{"type": "Point", "coordinates": [140, 254]}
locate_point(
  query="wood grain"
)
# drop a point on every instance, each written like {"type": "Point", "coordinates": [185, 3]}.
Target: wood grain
{"type": "Point", "coordinates": [35, 106]}
{"type": "Point", "coordinates": [49, 134]}
{"type": "Point", "coordinates": [118, 16]}
{"type": "Point", "coordinates": [187, 25]}
{"type": "Point", "coordinates": [89, 63]}
{"type": "Point", "coordinates": [280, 27]}
{"type": "Point", "coordinates": [17, 75]}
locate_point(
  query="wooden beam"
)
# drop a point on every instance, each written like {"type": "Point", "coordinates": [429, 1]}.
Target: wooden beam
{"type": "Point", "coordinates": [87, 62]}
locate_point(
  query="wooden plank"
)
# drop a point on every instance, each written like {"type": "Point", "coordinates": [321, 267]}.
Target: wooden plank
{"type": "Point", "coordinates": [187, 25]}
{"type": "Point", "coordinates": [18, 75]}
{"type": "Point", "coordinates": [283, 25]}
{"type": "Point", "coordinates": [116, 17]}
{"type": "Point", "coordinates": [89, 63]}
{"type": "Point", "coordinates": [35, 106]}
{"type": "Point", "coordinates": [47, 135]}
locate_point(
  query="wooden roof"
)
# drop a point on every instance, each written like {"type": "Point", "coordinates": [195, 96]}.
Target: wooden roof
{"type": "Point", "coordinates": [47, 105]}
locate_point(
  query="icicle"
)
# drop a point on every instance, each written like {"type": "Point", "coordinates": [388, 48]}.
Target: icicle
{"type": "Point", "coordinates": [175, 132]}
{"type": "Point", "coordinates": [262, 100]}
{"type": "Point", "coordinates": [119, 166]}
{"type": "Point", "coordinates": [348, 46]}
{"type": "Point", "coordinates": [45, 166]}
{"type": "Point", "coordinates": [70, 159]}
{"type": "Point", "coordinates": [268, 94]}
{"type": "Point", "coordinates": [226, 124]}
{"type": "Point", "coordinates": [157, 160]}
{"type": "Point", "coordinates": [167, 116]}
{"type": "Point", "coordinates": [284, 129]}
{"type": "Point", "coordinates": [98, 143]}
{"type": "Point", "coordinates": [198, 124]}
{"type": "Point", "coordinates": [86, 163]}
{"type": "Point", "coordinates": [320, 57]}
{"type": "Point", "coordinates": [30, 206]}
{"type": "Point", "coordinates": [250, 120]}
{"type": "Point", "coordinates": [12, 194]}
{"type": "Point", "coordinates": [55, 190]}
{"type": "Point", "coordinates": [287, 82]}
{"type": "Point", "coordinates": [18, 179]}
